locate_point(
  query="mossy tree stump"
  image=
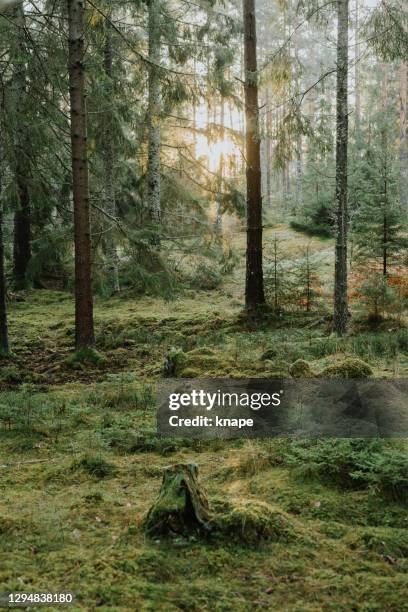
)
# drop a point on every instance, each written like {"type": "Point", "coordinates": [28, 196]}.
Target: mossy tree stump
{"type": "Point", "coordinates": [182, 505]}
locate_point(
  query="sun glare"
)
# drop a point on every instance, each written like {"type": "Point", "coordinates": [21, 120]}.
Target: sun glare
{"type": "Point", "coordinates": [216, 152]}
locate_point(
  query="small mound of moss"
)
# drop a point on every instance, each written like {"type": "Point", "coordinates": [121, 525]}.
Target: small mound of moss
{"type": "Point", "coordinates": [189, 373]}
{"type": "Point", "coordinates": [10, 374]}
{"type": "Point", "coordinates": [202, 350]}
{"type": "Point", "coordinates": [349, 368]}
{"type": "Point", "coordinates": [195, 363]}
{"type": "Point", "coordinates": [85, 357]}
{"type": "Point", "coordinates": [250, 522]}
{"type": "Point", "coordinates": [174, 362]}
{"type": "Point", "coordinates": [300, 369]}
{"type": "Point", "coordinates": [94, 466]}
{"type": "Point", "coordinates": [270, 353]}
{"type": "Point", "coordinates": [383, 541]}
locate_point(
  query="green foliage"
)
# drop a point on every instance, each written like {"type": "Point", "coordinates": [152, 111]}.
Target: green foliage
{"type": "Point", "coordinates": [319, 224]}
{"type": "Point", "coordinates": [97, 467]}
{"type": "Point", "coordinates": [380, 466]}
{"type": "Point", "coordinates": [86, 356]}
{"type": "Point", "coordinates": [206, 277]}
{"type": "Point", "coordinates": [378, 296]}
{"type": "Point", "coordinates": [386, 30]}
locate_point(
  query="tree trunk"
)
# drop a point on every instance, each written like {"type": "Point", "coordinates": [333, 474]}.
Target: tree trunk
{"type": "Point", "coordinates": [218, 216]}
{"type": "Point", "coordinates": [384, 143]}
{"type": "Point", "coordinates": [108, 165]}
{"type": "Point", "coordinates": [340, 279]}
{"type": "Point", "coordinates": [22, 216]}
{"type": "Point", "coordinates": [385, 242]}
{"type": "Point", "coordinates": [84, 331]}
{"type": "Point", "coordinates": [299, 173]}
{"type": "Point", "coordinates": [4, 343]}
{"type": "Point", "coordinates": [153, 169]}
{"type": "Point", "coordinates": [268, 139]}
{"type": "Point", "coordinates": [403, 136]}
{"type": "Point", "coordinates": [254, 290]}
{"type": "Point", "coordinates": [357, 93]}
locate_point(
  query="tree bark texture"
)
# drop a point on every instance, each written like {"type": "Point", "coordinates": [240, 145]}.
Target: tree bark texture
{"type": "Point", "coordinates": [340, 277]}
{"type": "Point", "coordinates": [84, 330]}
{"type": "Point", "coordinates": [403, 136]}
{"type": "Point", "coordinates": [153, 169]}
{"type": "Point", "coordinates": [109, 167]}
{"type": "Point", "coordinates": [4, 342]}
{"type": "Point", "coordinates": [22, 215]}
{"type": "Point", "coordinates": [254, 290]}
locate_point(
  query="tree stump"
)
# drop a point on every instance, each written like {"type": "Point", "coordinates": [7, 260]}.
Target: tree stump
{"type": "Point", "coordinates": [182, 505]}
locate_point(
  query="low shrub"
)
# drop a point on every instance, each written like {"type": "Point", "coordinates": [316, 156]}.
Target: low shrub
{"type": "Point", "coordinates": [97, 467]}
{"type": "Point", "coordinates": [354, 463]}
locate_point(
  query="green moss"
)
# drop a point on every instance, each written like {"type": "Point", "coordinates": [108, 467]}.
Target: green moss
{"type": "Point", "coordinates": [202, 351]}
{"type": "Point", "coordinates": [300, 369]}
{"type": "Point", "coordinates": [383, 541]}
{"type": "Point", "coordinates": [182, 506]}
{"type": "Point", "coordinates": [10, 374]}
{"type": "Point", "coordinates": [249, 522]}
{"type": "Point", "coordinates": [94, 466]}
{"type": "Point", "coordinates": [190, 373]}
{"type": "Point", "coordinates": [86, 357]}
{"type": "Point", "coordinates": [349, 368]}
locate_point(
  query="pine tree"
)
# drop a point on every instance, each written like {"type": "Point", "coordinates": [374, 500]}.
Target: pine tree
{"type": "Point", "coordinates": [154, 165]}
{"type": "Point", "coordinates": [254, 290]}
{"type": "Point", "coordinates": [109, 164]}
{"type": "Point", "coordinates": [22, 215]}
{"type": "Point", "coordinates": [4, 341]}
{"type": "Point", "coordinates": [340, 275]}
{"type": "Point", "coordinates": [84, 330]}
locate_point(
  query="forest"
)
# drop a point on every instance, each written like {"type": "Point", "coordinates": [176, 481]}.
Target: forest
{"type": "Point", "coordinates": [199, 189]}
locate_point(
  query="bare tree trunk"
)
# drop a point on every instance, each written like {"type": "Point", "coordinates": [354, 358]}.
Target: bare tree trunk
{"type": "Point", "coordinates": [22, 216]}
{"type": "Point", "coordinates": [4, 342]}
{"type": "Point", "coordinates": [108, 164]}
{"type": "Point", "coordinates": [298, 164]}
{"type": "Point", "coordinates": [384, 142]}
{"type": "Point", "coordinates": [254, 290]}
{"type": "Point", "coordinates": [218, 219]}
{"type": "Point", "coordinates": [340, 277]}
{"type": "Point", "coordinates": [299, 172]}
{"type": "Point", "coordinates": [403, 136]}
{"type": "Point", "coordinates": [153, 169]}
{"type": "Point", "coordinates": [268, 140]}
{"type": "Point", "coordinates": [357, 92]}
{"type": "Point", "coordinates": [84, 329]}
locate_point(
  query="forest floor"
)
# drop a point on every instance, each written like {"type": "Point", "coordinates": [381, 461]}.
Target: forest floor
{"type": "Point", "coordinates": [80, 464]}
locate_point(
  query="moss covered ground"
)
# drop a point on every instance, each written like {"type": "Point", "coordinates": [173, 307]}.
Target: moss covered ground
{"type": "Point", "coordinates": [80, 464]}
